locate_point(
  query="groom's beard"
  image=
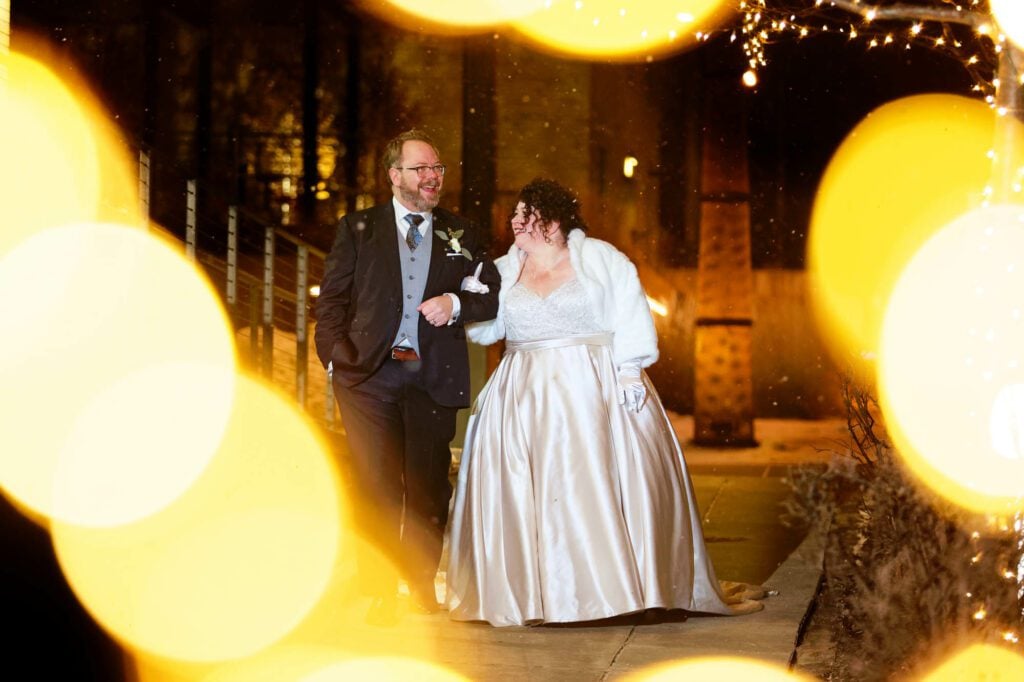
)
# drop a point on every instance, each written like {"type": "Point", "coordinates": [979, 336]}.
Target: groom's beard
{"type": "Point", "coordinates": [414, 197]}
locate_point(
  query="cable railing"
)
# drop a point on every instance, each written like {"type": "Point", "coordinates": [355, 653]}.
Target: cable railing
{"type": "Point", "coordinates": [264, 275]}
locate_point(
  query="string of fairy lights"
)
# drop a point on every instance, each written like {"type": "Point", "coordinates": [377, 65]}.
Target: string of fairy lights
{"type": "Point", "coordinates": [1018, 527]}
{"type": "Point", "coordinates": [963, 30]}
{"type": "Point", "coordinates": [1015, 574]}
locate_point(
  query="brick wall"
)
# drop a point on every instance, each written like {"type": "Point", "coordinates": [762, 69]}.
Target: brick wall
{"type": "Point", "coordinates": [793, 375]}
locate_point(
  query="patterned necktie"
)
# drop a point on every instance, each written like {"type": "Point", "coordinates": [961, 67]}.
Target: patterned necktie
{"type": "Point", "coordinates": [413, 236]}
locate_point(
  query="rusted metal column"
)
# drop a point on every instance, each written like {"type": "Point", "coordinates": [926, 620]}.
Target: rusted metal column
{"type": "Point", "coordinates": [723, 400]}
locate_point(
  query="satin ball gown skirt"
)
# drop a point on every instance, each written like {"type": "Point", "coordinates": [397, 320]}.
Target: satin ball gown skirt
{"type": "Point", "coordinates": [569, 507]}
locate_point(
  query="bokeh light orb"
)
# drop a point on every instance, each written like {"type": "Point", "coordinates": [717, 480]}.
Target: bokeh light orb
{"type": "Point", "coordinates": [909, 168]}
{"type": "Point", "coordinates": [455, 15]}
{"type": "Point", "coordinates": [49, 175]}
{"type": "Point", "coordinates": [236, 562]}
{"type": "Point", "coordinates": [118, 365]}
{"type": "Point", "coordinates": [1009, 14]}
{"type": "Point", "coordinates": [282, 662]}
{"type": "Point", "coordinates": [610, 29]}
{"type": "Point", "coordinates": [951, 361]}
{"type": "Point", "coordinates": [979, 662]}
{"type": "Point", "coordinates": [116, 178]}
{"type": "Point", "coordinates": [141, 442]}
{"type": "Point", "coordinates": [334, 631]}
{"type": "Point", "coordinates": [716, 669]}
{"type": "Point", "coordinates": [385, 669]}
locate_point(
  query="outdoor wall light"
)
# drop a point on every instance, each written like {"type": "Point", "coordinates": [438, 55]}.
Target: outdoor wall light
{"type": "Point", "coordinates": [629, 165]}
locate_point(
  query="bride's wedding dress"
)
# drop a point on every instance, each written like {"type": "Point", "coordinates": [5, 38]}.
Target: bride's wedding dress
{"type": "Point", "coordinates": [569, 507]}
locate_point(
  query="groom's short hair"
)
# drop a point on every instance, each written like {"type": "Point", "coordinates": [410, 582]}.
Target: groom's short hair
{"type": "Point", "coordinates": [393, 148]}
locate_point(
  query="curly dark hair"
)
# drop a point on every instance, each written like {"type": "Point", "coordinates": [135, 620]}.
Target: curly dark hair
{"type": "Point", "coordinates": [550, 201]}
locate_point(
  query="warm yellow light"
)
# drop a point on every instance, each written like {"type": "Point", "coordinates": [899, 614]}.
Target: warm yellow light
{"type": "Point", "coordinates": [283, 661]}
{"type": "Point", "coordinates": [73, 163]}
{"type": "Point", "coordinates": [1009, 14]}
{"type": "Point", "coordinates": [629, 165]}
{"type": "Point", "coordinates": [979, 662]}
{"type": "Point", "coordinates": [385, 670]}
{"type": "Point", "coordinates": [951, 361]}
{"type": "Point", "coordinates": [49, 175]}
{"type": "Point", "coordinates": [750, 78]}
{"type": "Point", "coordinates": [657, 307]}
{"type": "Point", "coordinates": [456, 15]}
{"type": "Point", "coordinates": [720, 669]}
{"type": "Point", "coordinates": [117, 373]}
{"type": "Point", "coordinates": [141, 442]}
{"type": "Point", "coordinates": [905, 171]}
{"type": "Point", "coordinates": [236, 562]}
{"type": "Point", "coordinates": [334, 631]}
{"type": "Point", "coordinates": [648, 29]}
{"type": "Point", "coordinates": [314, 290]}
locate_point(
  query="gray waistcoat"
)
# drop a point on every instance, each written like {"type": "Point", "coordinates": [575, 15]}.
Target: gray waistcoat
{"type": "Point", "coordinates": [415, 265]}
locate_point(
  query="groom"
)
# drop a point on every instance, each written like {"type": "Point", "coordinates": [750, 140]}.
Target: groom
{"type": "Point", "coordinates": [390, 331]}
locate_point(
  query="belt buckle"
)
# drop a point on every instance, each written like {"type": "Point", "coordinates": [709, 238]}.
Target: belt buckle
{"type": "Point", "coordinates": [403, 353]}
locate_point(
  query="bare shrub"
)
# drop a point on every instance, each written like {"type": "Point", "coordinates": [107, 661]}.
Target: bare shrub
{"type": "Point", "coordinates": [908, 576]}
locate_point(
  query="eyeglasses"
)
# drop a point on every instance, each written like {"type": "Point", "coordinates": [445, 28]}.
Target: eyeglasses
{"type": "Point", "coordinates": [422, 170]}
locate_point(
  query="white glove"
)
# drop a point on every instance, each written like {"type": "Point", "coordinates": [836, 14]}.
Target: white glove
{"type": "Point", "coordinates": [632, 391]}
{"type": "Point", "coordinates": [472, 283]}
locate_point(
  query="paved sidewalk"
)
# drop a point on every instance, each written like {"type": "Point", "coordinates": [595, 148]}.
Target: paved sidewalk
{"type": "Point", "coordinates": [739, 493]}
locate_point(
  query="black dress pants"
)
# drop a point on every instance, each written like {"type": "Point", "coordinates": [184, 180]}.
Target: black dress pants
{"type": "Point", "coordinates": [399, 440]}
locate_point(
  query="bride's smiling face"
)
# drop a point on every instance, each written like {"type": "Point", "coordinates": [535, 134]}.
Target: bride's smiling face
{"type": "Point", "coordinates": [522, 221]}
{"type": "Point", "coordinates": [529, 227]}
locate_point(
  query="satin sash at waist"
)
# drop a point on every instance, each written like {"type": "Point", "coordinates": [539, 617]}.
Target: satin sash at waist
{"type": "Point", "coordinates": [601, 339]}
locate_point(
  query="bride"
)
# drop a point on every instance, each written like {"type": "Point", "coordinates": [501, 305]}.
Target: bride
{"type": "Point", "coordinates": [573, 501]}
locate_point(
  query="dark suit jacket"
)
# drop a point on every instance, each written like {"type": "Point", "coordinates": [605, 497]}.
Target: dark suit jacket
{"type": "Point", "coordinates": [360, 305]}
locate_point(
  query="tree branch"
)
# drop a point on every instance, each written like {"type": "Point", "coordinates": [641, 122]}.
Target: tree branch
{"type": "Point", "coordinates": [910, 13]}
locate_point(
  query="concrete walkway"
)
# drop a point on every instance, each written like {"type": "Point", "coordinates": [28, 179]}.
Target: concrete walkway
{"type": "Point", "coordinates": [739, 493]}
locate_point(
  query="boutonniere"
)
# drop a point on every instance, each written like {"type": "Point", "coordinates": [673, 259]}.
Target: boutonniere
{"type": "Point", "coordinates": [451, 239]}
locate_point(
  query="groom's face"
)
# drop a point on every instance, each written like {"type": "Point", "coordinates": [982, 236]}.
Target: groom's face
{"type": "Point", "coordinates": [416, 191]}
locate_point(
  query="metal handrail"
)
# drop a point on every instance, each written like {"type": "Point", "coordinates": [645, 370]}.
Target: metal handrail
{"type": "Point", "coordinates": [264, 291]}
